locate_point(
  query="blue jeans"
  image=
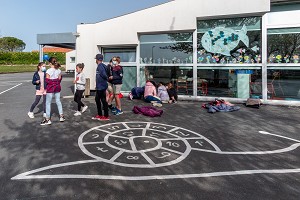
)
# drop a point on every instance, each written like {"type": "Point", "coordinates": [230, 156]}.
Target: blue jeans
{"type": "Point", "coordinates": [49, 97]}
{"type": "Point", "coordinates": [152, 98]}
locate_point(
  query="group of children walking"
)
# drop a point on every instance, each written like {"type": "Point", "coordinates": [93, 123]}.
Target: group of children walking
{"type": "Point", "coordinates": [108, 87]}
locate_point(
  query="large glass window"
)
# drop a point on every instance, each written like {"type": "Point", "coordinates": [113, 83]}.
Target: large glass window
{"type": "Point", "coordinates": [284, 84]}
{"type": "Point", "coordinates": [284, 45]}
{"type": "Point", "coordinates": [224, 41]}
{"type": "Point", "coordinates": [229, 82]}
{"type": "Point", "coordinates": [167, 48]}
{"type": "Point", "coordinates": [180, 76]}
{"type": "Point", "coordinates": [126, 54]}
{"type": "Point", "coordinates": [129, 78]}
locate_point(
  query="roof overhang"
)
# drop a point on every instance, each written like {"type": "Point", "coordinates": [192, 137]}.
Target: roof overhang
{"type": "Point", "coordinates": [63, 40]}
{"type": "Point", "coordinates": [280, 2]}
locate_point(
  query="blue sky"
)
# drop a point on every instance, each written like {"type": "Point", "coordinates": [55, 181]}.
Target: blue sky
{"type": "Point", "coordinates": [24, 19]}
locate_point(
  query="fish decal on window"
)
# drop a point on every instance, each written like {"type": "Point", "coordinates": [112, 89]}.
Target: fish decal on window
{"type": "Point", "coordinates": [223, 40]}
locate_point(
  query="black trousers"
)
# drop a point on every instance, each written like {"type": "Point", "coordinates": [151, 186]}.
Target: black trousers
{"type": "Point", "coordinates": [101, 99]}
{"type": "Point", "coordinates": [37, 100]}
{"type": "Point", "coordinates": [78, 97]}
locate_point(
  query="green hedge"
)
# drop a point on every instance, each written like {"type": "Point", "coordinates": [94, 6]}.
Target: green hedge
{"type": "Point", "coordinates": [27, 58]}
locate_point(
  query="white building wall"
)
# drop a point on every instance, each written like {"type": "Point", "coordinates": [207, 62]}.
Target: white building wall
{"type": "Point", "coordinates": [172, 16]}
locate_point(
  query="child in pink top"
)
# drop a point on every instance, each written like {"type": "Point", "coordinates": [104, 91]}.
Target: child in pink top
{"type": "Point", "coordinates": [150, 93]}
{"type": "Point", "coordinates": [40, 85]}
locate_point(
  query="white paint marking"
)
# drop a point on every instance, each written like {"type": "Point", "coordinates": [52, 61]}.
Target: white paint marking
{"type": "Point", "coordinates": [87, 143]}
{"type": "Point", "coordinates": [133, 147]}
{"type": "Point", "coordinates": [68, 97]}
{"type": "Point", "coordinates": [267, 133]}
{"type": "Point", "coordinates": [97, 128]}
{"type": "Point", "coordinates": [28, 175]}
{"type": "Point", "coordinates": [117, 155]}
{"type": "Point", "coordinates": [20, 176]}
{"type": "Point", "coordinates": [160, 177]}
{"type": "Point", "coordinates": [174, 129]}
{"type": "Point", "coordinates": [11, 88]}
{"type": "Point", "coordinates": [174, 151]}
{"type": "Point", "coordinates": [148, 159]}
{"type": "Point", "coordinates": [126, 126]}
{"type": "Point", "coordinates": [290, 148]}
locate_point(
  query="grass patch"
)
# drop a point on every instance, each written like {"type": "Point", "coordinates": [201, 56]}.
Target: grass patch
{"type": "Point", "coordinates": [5, 69]}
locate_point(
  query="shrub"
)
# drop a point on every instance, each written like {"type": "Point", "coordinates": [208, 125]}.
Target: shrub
{"type": "Point", "coordinates": [27, 58]}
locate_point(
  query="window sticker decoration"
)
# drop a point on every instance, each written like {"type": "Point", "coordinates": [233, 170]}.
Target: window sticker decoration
{"type": "Point", "coordinates": [223, 40]}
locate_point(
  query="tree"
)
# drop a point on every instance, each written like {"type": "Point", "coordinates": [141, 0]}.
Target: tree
{"type": "Point", "coordinates": [11, 44]}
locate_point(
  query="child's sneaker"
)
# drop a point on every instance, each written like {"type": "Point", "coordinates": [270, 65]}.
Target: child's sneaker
{"type": "Point", "coordinates": [103, 118]}
{"type": "Point", "coordinates": [97, 117]}
{"type": "Point", "coordinates": [118, 112]}
{"type": "Point", "coordinates": [157, 104]}
{"type": "Point", "coordinates": [62, 118]}
{"type": "Point", "coordinates": [84, 109]}
{"type": "Point", "coordinates": [77, 113]}
{"type": "Point", "coordinates": [114, 109]}
{"type": "Point", "coordinates": [46, 122]}
{"type": "Point", "coordinates": [30, 115]}
{"type": "Point", "coordinates": [130, 96]}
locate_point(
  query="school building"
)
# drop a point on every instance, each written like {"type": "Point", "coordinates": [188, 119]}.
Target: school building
{"type": "Point", "coordinates": [232, 49]}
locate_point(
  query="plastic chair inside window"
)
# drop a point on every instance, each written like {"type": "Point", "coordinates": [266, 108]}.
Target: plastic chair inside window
{"type": "Point", "coordinates": [182, 84]}
{"type": "Point", "coordinates": [202, 86]}
{"type": "Point", "coordinates": [275, 84]}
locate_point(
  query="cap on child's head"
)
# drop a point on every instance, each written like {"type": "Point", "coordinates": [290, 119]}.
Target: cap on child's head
{"type": "Point", "coordinates": [99, 57]}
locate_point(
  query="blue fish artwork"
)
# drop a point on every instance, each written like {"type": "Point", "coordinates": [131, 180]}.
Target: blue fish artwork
{"type": "Point", "coordinates": [223, 40]}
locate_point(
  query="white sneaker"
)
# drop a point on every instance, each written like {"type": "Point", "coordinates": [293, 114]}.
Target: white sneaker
{"type": "Point", "coordinates": [84, 109]}
{"type": "Point", "coordinates": [130, 96]}
{"type": "Point", "coordinates": [62, 118]}
{"type": "Point", "coordinates": [30, 115]}
{"type": "Point", "coordinates": [77, 113]}
{"type": "Point", "coordinates": [157, 104]}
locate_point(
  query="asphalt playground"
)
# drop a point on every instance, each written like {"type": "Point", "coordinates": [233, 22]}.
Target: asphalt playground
{"type": "Point", "coordinates": [186, 153]}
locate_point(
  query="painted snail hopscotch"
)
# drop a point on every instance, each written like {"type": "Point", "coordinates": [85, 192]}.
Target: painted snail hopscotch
{"type": "Point", "coordinates": [146, 145]}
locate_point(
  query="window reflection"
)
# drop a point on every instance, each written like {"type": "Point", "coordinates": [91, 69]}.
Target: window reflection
{"type": "Point", "coordinates": [284, 45]}
{"type": "Point", "coordinates": [174, 48]}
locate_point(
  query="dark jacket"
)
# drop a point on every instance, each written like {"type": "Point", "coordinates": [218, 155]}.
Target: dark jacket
{"type": "Point", "coordinates": [109, 71]}
{"type": "Point", "coordinates": [36, 77]}
{"type": "Point", "coordinates": [101, 77]}
{"type": "Point", "coordinates": [117, 73]}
